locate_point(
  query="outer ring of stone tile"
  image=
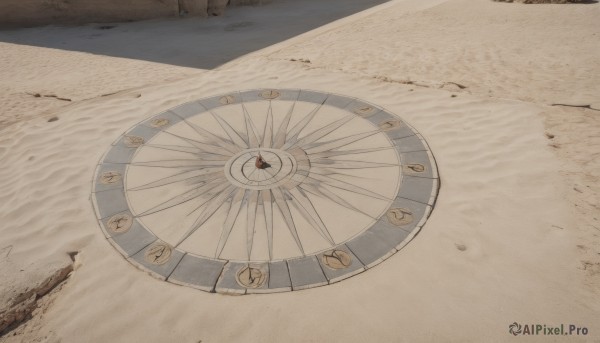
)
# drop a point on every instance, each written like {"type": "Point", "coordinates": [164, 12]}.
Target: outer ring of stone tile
{"type": "Point", "coordinates": [119, 153]}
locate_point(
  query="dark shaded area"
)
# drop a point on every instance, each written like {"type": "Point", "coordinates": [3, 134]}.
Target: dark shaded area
{"type": "Point", "coordinates": [194, 42]}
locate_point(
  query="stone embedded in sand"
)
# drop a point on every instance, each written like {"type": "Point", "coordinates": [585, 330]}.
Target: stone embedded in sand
{"type": "Point", "coordinates": [246, 179]}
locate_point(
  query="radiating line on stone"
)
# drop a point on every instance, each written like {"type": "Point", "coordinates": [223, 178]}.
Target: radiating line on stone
{"type": "Point", "coordinates": [216, 185]}
{"type": "Point", "coordinates": [337, 143]}
{"type": "Point", "coordinates": [234, 209]}
{"type": "Point", "coordinates": [316, 188]}
{"type": "Point", "coordinates": [346, 186]}
{"type": "Point", "coordinates": [251, 220]}
{"type": "Point", "coordinates": [292, 136]}
{"type": "Point", "coordinates": [231, 132]}
{"type": "Point", "coordinates": [192, 176]}
{"type": "Point", "coordinates": [253, 141]}
{"type": "Point", "coordinates": [212, 207]}
{"type": "Point", "coordinates": [200, 145]}
{"type": "Point", "coordinates": [282, 131]}
{"type": "Point", "coordinates": [287, 215]}
{"type": "Point", "coordinates": [349, 164]}
{"type": "Point", "coordinates": [318, 134]}
{"type": "Point", "coordinates": [191, 150]}
{"type": "Point", "coordinates": [215, 140]}
{"type": "Point", "coordinates": [267, 203]}
{"type": "Point", "coordinates": [180, 163]}
{"type": "Point", "coordinates": [334, 153]}
{"type": "Point", "coordinates": [306, 208]}
{"type": "Point", "coordinates": [268, 131]}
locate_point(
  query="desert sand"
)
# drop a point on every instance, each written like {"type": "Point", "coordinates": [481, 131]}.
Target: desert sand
{"type": "Point", "coordinates": [514, 235]}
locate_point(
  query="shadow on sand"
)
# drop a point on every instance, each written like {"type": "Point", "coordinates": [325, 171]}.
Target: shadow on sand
{"type": "Point", "coordinates": [204, 43]}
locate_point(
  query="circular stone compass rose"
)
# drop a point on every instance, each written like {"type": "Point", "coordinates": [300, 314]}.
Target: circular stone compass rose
{"type": "Point", "coordinates": [264, 190]}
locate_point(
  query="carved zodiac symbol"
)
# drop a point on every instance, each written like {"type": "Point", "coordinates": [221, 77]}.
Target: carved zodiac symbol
{"type": "Point", "coordinates": [390, 125]}
{"type": "Point", "coordinates": [134, 141]}
{"type": "Point", "coordinates": [110, 177]}
{"type": "Point", "coordinates": [159, 122]}
{"type": "Point", "coordinates": [337, 259]}
{"type": "Point", "coordinates": [158, 254]}
{"type": "Point", "coordinates": [419, 168]}
{"type": "Point", "coordinates": [120, 223]}
{"type": "Point", "coordinates": [270, 94]}
{"type": "Point", "coordinates": [400, 216]}
{"type": "Point", "coordinates": [227, 99]}
{"type": "Point", "coordinates": [251, 277]}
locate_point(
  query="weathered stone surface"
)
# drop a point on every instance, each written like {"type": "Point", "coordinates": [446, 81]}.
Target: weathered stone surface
{"type": "Point", "coordinates": [193, 7]}
{"type": "Point", "coordinates": [19, 294]}
{"type": "Point", "coordinates": [216, 7]}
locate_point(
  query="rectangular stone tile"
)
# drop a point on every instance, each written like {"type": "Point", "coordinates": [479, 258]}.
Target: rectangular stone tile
{"type": "Point", "coordinates": [252, 95]}
{"type": "Point", "coordinates": [409, 144]}
{"type": "Point", "coordinates": [381, 117]}
{"type": "Point", "coordinates": [197, 272]}
{"type": "Point", "coordinates": [110, 202]}
{"type": "Point", "coordinates": [338, 101]}
{"type": "Point", "coordinates": [140, 131]}
{"type": "Point", "coordinates": [208, 104]}
{"type": "Point", "coordinates": [400, 132]}
{"type": "Point", "coordinates": [412, 162]}
{"type": "Point", "coordinates": [279, 277]}
{"type": "Point", "coordinates": [161, 271]}
{"type": "Point", "coordinates": [119, 154]}
{"type": "Point", "coordinates": [306, 273]}
{"type": "Point", "coordinates": [418, 189]}
{"type": "Point", "coordinates": [108, 167]}
{"type": "Point", "coordinates": [131, 241]}
{"type": "Point", "coordinates": [392, 235]}
{"type": "Point", "coordinates": [289, 94]}
{"type": "Point", "coordinates": [159, 123]}
{"type": "Point", "coordinates": [310, 96]}
{"type": "Point", "coordinates": [332, 261]}
{"type": "Point", "coordinates": [189, 109]}
{"type": "Point", "coordinates": [371, 248]}
{"type": "Point", "coordinates": [363, 109]}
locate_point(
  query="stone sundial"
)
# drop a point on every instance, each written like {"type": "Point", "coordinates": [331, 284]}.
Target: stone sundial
{"type": "Point", "coordinates": [264, 190]}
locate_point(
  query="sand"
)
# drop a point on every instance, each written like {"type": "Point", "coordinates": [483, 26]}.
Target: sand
{"type": "Point", "coordinates": [514, 235]}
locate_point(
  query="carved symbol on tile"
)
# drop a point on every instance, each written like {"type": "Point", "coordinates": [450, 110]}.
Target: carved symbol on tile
{"type": "Point", "coordinates": [134, 141]}
{"type": "Point", "coordinates": [110, 177]}
{"type": "Point", "coordinates": [337, 259]}
{"type": "Point", "coordinates": [364, 111]}
{"type": "Point", "coordinates": [399, 216]}
{"type": "Point", "coordinates": [416, 167]}
{"type": "Point", "coordinates": [120, 223]}
{"type": "Point", "coordinates": [251, 277]}
{"type": "Point", "coordinates": [227, 99]}
{"type": "Point", "coordinates": [158, 253]}
{"type": "Point", "coordinates": [270, 94]}
{"type": "Point", "coordinates": [390, 125]}
{"type": "Point", "coordinates": [160, 122]}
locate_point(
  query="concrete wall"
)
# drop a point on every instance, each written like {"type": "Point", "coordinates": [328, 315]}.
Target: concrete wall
{"type": "Point", "coordinates": [25, 13]}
